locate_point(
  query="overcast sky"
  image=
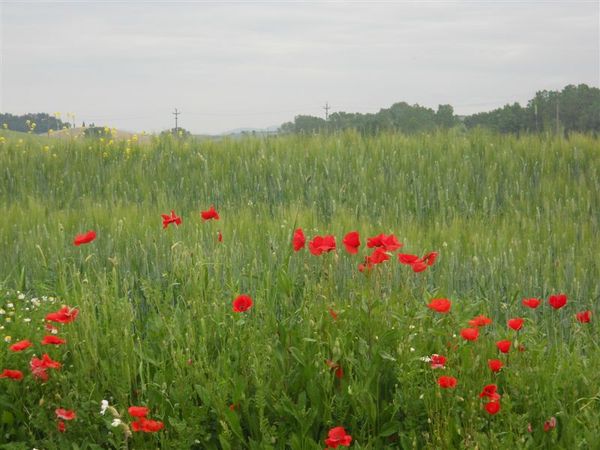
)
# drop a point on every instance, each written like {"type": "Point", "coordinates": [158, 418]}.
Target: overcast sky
{"type": "Point", "coordinates": [128, 64]}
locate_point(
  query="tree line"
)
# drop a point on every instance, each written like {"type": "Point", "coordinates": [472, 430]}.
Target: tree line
{"type": "Point", "coordinates": [32, 122]}
{"type": "Point", "coordinates": [575, 108]}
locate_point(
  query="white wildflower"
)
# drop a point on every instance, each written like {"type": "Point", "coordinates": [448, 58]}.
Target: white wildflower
{"type": "Point", "coordinates": [103, 406]}
{"type": "Point", "coordinates": [116, 422]}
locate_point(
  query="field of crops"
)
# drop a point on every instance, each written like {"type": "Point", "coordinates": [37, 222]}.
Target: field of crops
{"type": "Point", "coordinates": [152, 319]}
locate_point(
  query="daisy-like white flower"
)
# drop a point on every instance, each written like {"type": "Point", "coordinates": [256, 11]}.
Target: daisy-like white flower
{"type": "Point", "coordinates": [103, 406]}
{"type": "Point", "coordinates": [116, 422]}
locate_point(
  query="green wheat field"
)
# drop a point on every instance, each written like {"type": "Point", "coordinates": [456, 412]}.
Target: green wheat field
{"type": "Point", "coordinates": [511, 218]}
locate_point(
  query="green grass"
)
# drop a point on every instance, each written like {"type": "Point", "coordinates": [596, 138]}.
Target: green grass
{"type": "Point", "coordinates": [511, 218]}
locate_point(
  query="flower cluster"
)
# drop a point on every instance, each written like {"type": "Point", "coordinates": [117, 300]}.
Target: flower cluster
{"type": "Point", "coordinates": [490, 392]}
{"type": "Point", "coordinates": [383, 246]}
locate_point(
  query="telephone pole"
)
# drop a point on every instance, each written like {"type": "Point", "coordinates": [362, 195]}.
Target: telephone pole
{"type": "Point", "coordinates": [557, 115]}
{"type": "Point", "coordinates": [326, 108]}
{"type": "Point", "coordinates": [176, 113]}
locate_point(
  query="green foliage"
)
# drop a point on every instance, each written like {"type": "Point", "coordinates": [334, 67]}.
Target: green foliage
{"type": "Point", "coordinates": [579, 111]}
{"type": "Point", "coordinates": [176, 132]}
{"type": "Point", "coordinates": [34, 123]}
{"type": "Point", "coordinates": [574, 109]}
{"type": "Point", "coordinates": [511, 217]}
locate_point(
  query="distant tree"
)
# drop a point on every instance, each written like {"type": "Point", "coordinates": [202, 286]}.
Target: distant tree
{"type": "Point", "coordinates": [444, 117]}
{"type": "Point", "coordinates": [33, 122]}
{"type": "Point", "coordinates": [309, 124]}
{"type": "Point", "coordinates": [179, 132]}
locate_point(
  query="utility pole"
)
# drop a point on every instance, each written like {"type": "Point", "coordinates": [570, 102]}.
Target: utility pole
{"type": "Point", "coordinates": [557, 116]}
{"type": "Point", "coordinates": [326, 108]}
{"type": "Point", "coordinates": [176, 113]}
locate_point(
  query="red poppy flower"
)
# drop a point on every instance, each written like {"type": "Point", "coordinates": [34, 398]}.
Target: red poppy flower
{"type": "Point", "coordinates": [367, 265]}
{"type": "Point", "coordinates": [210, 213]}
{"type": "Point", "coordinates": [20, 346]}
{"type": "Point", "coordinates": [430, 258]}
{"type": "Point", "coordinates": [12, 374]}
{"type": "Point", "coordinates": [219, 236]}
{"type": "Point", "coordinates": [550, 424]}
{"type": "Point", "coordinates": [147, 425]}
{"type": "Point", "coordinates": [65, 414]}
{"type": "Point", "coordinates": [495, 365]}
{"type": "Point", "coordinates": [406, 258]}
{"type": "Point", "coordinates": [503, 346]}
{"type": "Point", "coordinates": [298, 240]}
{"type": "Point", "coordinates": [61, 427]}
{"type": "Point", "coordinates": [492, 407]}
{"type": "Point", "coordinates": [333, 314]}
{"type": "Point", "coordinates": [389, 243]}
{"type": "Point", "coordinates": [441, 305]}
{"type": "Point", "coordinates": [168, 219]}
{"type": "Point", "coordinates": [516, 323]}
{"type": "Point", "coordinates": [438, 361]}
{"type": "Point", "coordinates": [242, 303]}
{"type": "Point", "coordinates": [321, 244]}
{"type": "Point", "coordinates": [337, 436]}
{"type": "Point", "coordinates": [418, 266]}
{"type": "Point", "coordinates": [39, 366]}
{"type": "Point", "coordinates": [85, 238]}
{"type": "Point", "coordinates": [138, 411]}
{"type": "Point", "coordinates": [480, 321]}
{"type": "Point", "coordinates": [352, 242]}
{"type": "Point", "coordinates": [531, 302]}
{"type": "Point", "coordinates": [490, 391]}
{"type": "Point", "coordinates": [339, 372]}
{"type": "Point", "coordinates": [447, 382]}
{"type": "Point", "coordinates": [53, 340]}
{"type": "Point", "coordinates": [557, 301]}
{"type": "Point", "coordinates": [379, 255]}
{"type": "Point", "coordinates": [63, 315]}
{"type": "Point", "coordinates": [584, 317]}
{"type": "Point", "coordinates": [470, 334]}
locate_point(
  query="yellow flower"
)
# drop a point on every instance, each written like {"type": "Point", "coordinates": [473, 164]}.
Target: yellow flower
{"type": "Point", "coordinates": [7, 338]}
{"type": "Point", "coordinates": [46, 148]}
